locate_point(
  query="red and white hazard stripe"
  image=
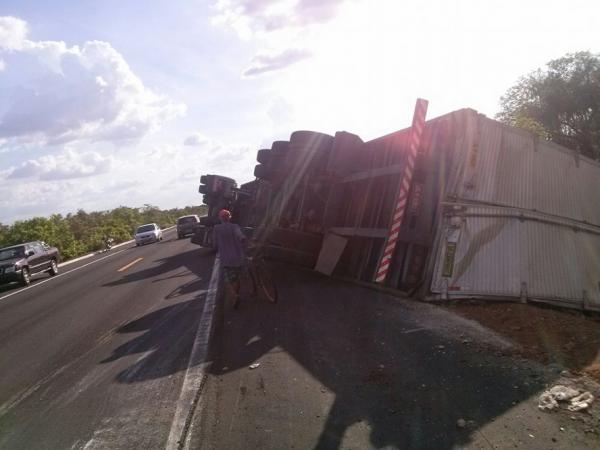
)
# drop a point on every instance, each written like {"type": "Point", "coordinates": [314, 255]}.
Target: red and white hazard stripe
{"type": "Point", "coordinates": [418, 125]}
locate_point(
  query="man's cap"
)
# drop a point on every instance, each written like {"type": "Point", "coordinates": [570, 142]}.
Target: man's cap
{"type": "Point", "coordinates": [224, 214]}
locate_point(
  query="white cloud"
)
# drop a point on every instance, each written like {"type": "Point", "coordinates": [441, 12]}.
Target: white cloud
{"type": "Point", "coordinates": [263, 63]}
{"type": "Point", "coordinates": [196, 140]}
{"type": "Point", "coordinates": [277, 26]}
{"type": "Point", "coordinates": [31, 198]}
{"type": "Point", "coordinates": [13, 32]}
{"type": "Point", "coordinates": [163, 151]}
{"type": "Point", "coordinates": [250, 16]}
{"type": "Point", "coordinates": [66, 165]}
{"type": "Point", "coordinates": [167, 173]}
{"type": "Point", "coordinates": [67, 94]}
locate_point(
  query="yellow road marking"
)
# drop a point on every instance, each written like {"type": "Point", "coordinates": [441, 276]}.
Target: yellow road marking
{"type": "Point", "coordinates": [124, 268]}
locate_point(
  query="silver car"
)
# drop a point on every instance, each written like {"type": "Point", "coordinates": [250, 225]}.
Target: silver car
{"type": "Point", "coordinates": [148, 233]}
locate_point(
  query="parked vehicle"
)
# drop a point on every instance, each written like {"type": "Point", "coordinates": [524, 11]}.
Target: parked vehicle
{"type": "Point", "coordinates": [21, 262]}
{"type": "Point", "coordinates": [148, 233]}
{"type": "Point", "coordinates": [186, 224]}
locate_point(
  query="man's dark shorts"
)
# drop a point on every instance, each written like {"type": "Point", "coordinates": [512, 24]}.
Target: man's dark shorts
{"type": "Point", "coordinates": [231, 274]}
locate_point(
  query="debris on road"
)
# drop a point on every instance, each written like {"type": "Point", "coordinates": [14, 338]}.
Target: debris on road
{"type": "Point", "coordinates": [546, 402]}
{"type": "Point", "coordinates": [581, 402]}
{"type": "Point", "coordinates": [578, 401]}
{"type": "Point", "coordinates": [563, 393]}
{"type": "Point", "coordinates": [254, 366]}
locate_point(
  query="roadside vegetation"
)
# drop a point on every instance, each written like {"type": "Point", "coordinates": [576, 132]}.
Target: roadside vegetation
{"type": "Point", "coordinates": [560, 103]}
{"type": "Point", "coordinates": [83, 232]}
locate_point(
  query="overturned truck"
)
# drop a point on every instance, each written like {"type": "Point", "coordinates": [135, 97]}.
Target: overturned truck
{"type": "Point", "coordinates": [494, 212]}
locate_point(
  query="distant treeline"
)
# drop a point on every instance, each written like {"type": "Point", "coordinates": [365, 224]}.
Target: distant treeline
{"type": "Point", "coordinates": [83, 232]}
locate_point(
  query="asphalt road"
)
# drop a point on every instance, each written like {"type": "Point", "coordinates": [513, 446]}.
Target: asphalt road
{"type": "Point", "coordinates": [96, 357]}
{"type": "Point", "coordinates": [104, 357]}
{"type": "Point", "coordinates": [343, 367]}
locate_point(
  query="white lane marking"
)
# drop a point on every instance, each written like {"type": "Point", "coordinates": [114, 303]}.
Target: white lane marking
{"type": "Point", "coordinates": [39, 283]}
{"type": "Point", "coordinates": [196, 366]}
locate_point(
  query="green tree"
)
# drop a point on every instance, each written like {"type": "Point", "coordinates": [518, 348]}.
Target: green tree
{"type": "Point", "coordinates": [560, 102]}
{"type": "Point", "coordinates": [82, 232]}
{"type": "Point", "coordinates": [4, 234]}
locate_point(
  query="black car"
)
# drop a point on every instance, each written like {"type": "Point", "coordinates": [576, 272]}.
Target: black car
{"type": "Point", "coordinates": [20, 262]}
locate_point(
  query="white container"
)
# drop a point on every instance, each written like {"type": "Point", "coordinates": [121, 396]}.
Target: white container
{"type": "Point", "coordinates": [519, 217]}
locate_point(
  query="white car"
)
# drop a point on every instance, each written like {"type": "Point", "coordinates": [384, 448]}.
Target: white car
{"type": "Point", "coordinates": [148, 233]}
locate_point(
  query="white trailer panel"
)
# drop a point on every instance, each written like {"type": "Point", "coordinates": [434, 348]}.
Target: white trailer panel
{"type": "Point", "coordinates": [520, 218]}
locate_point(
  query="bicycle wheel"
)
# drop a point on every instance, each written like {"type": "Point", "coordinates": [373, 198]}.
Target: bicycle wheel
{"type": "Point", "coordinates": [265, 283]}
{"type": "Point", "coordinates": [248, 280]}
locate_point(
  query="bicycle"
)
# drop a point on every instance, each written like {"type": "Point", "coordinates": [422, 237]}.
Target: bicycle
{"type": "Point", "coordinates": [257, 269]}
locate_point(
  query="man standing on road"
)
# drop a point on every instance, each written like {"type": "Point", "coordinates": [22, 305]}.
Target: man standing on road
{"type": "Point", "coordinates": [229, 241]}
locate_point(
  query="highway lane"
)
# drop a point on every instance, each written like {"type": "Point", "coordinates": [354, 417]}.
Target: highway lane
{"type": "Point", "coordinates": [95, 358]}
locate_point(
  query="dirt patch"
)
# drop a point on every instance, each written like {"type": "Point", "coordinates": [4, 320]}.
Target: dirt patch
{"type": "Point", "coordinates": [549, 335]}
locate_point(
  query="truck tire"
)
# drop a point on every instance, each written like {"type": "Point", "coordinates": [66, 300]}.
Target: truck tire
{"type": "Point", "coordinates": [263, 172]}
{"type": "Point", "coordinates": [263, 156]}
{"type": "Point", "coordinates": [209, 221]}
{"type": "Point", "coordinates": [280, 147]}
{"type": "Point", "coordinates": [311, 139]}
{"type": "Point", "coordinates": [209, 200]}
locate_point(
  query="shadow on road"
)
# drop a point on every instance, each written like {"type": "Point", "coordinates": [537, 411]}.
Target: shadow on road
{"type": "Point", "coordinates": [166, 341]}
{"type": "Point", "coordinates": [196, 261]}
{"type": "Point", "coordinates": [167, 334]}
{"type": "Point", "coordinates": [410, 387]}
{"type": "Point", "coordinates": [408, 383]}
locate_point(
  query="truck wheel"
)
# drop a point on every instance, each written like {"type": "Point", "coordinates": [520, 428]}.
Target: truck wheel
{"type": "Point", "coordinates": [53, 268]}
{"type": "Point", "coordinates": [25, 276]}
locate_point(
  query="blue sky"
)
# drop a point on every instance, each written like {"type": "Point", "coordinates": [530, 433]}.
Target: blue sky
{"type": "Point", "coordinates": [129, 102]}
